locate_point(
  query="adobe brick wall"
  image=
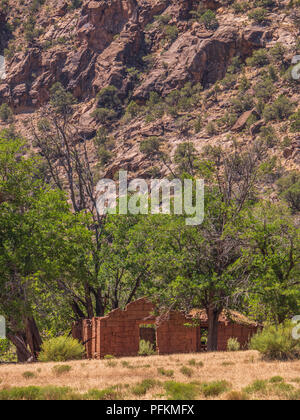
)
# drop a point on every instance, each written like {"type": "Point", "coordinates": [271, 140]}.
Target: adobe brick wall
{"type": "Point", "coordinates": [77, 330]}
{"type": "Point", "coordinates": [174, 337]}
{"type": "Point", "coordinates": [118, 333]}
{"type": "Point", "coordinates": [242, 333]}
{"type": "Point", "coordinates": [87, 337]}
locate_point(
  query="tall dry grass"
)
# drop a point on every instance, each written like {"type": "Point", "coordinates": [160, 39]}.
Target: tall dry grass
{"type": "Point", "coordinates": [240, 369]}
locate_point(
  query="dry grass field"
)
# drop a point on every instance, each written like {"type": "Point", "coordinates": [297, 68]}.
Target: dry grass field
{"type": "Point", "coordinates": [188, 376]}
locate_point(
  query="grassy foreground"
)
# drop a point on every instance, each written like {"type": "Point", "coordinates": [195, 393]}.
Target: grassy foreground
{"type": "Point", "coordinates": [235, 376]}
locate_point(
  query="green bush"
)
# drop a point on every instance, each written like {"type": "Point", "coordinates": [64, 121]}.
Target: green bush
{"type": "Point", "coordinates": [259, 15]}
{"type": "Point", "coordinates": [237, 396]}
{"type": "Point", "coordinates": [59, 370]}
{"type": "Point", "coordinates": [213, 389]}
{"type": "Point", "coordinates": [233, 344]}
{"type": "Point", "coordinates": [61, 349]}
{"type": "Point", "coordinates": [276, 343]}
{"type": "Point", "coordinates": [143, 387]}
{"type": "Point", "coordinates": [295, 122]}
{"type": "Point", "coordinates": [258, 386]}
{"type": "Point", "coordinates": [6, 114]}
{"type": "Point", "coordinates": [186, 371]}
{"type": "Point", "coordinates": [107, 394]}
{"type": "Point", "coordinates": [209, 20]}
{"type": "Point", "coordinates": [180, 391]}
{"type": "Point", "coordinates": [164, 372]}
{"type": "Point", "coordinates": [28, 375]}
{"type": "Point", "coordinates": [109, 357]}
{"type": "Point", "coordinates": [289, 188]}
{"type": "Point", "coordinates": [108, 98]}
{"type": "Point", "coordinates": [279, 110]}
{"type": "Point", "coordinates": [146, 348]}
{"type": "Point", "coordinates": [61, 100]}
{"type": "Point", "coordinates": [104, 115]}
{"type": "Point", "coordinates": [276, 380]}
{"type": "Point", "coordinates": [151, 146]}
{"type": "Point", "coordinates": [53, 393]}
{"type": "Point", "coordinates": [259, 58]}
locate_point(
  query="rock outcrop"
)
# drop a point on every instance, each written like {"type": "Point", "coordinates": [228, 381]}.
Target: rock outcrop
{"type": "Point", "coordinates": [126, 43]}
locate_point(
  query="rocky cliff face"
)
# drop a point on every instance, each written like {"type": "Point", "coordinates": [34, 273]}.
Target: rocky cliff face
{"type": "Point", "coordinates": [145, 46]}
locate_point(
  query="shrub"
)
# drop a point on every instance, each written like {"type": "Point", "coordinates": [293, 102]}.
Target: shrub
{"type": "Point", "coordinates": [259, 15]}
{"type": "Point", "coordinates": [132, 110]}
{"type": "Point", "coordinates": [258, 386]}
{"type": "Point", "coordinates": [242, 103]}
{"type": "Point", "coordinates": [282, 390]}
{"type": "Point", "coordinates": [61, 369]}
{"type": "Point", "coordinates": [104, 115]}
{"type": "Point", "coordinates": [111, 363]}
{"type": "Point", "coordinates": [35, 393]}
{"type": "Point", "coordinates": [186, 371]}
{"type": "Point", "coordinates": [211, 129]}
{"type": "Point", "coordinates": [108, 98]}
{"type": "Point", "coordinates": [104, 155]}
{"type": "Point", "coordinates": [164, 372]}
{"type": "Point", "coordinates": [198, 124]}
{"type": "Point", "coordinates": [7, 353]}
{"type": "Point", "coordinates": [143, 387]}
{"type": "Point", "coordinates": [28, 375]}
{"type": "Point", "coordinates": [264, 89]}
{"type": "Point", "coordinates": [278, 52]}
{"type": "Point", "coordinates": [281, 109]}
{"type": "Point", "coordinates": [228, 363]}
{"type": "Point", "coordinates": [213, 389]}
{"type": "Point", "coordinates": [233, 344]}
{"type": "Point", "coordinates": [295, 122]}
{"type": "Point", "coordinates": [289, 188]}
{"type": "Point", "coordinates": [151, 146]}
{"type": "Point", "coordinates": [146, 348]}
{"type": "Point", "coordinates": [61, 349]}
{"type": "Point", "coordinates": [61, 100]}
{"type": "Point", "coordinates": [259, 58]}
{"type": "Point", "coordinates": [180, 391]}
{"type": "Point", "coordinates": [53, 393]}
{"type": "Point", "coordinates": [276, 343]}
{"type": "Point", "coordinates": [209, 20]}
{"type": "Point", "coordinates": [268, 136]}
{"type": "Point", "coordinates": [237, 396]}
{"type": "Point", "coordinates": [171, 32]}
{"type": "Point", "coordinates": [6, 114]}
{"type": "Point", "coordinates": [107, 394]}
{"type": "Point", "coordinates": [276, 380]}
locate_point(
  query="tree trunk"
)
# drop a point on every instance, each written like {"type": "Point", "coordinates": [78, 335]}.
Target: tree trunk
{"type": "Point", "coordinates": [88, 300]}
{"type": "Point", "coordinates": [99, 304]}
{"type": "Point", "coordinates": [33, 337]}
{"type": "Point", "coordinates": [77, 311]}
{"type": "Point", "coordinates": [19, 341]}
{"type": "Point", "coordinates": [213, 322]}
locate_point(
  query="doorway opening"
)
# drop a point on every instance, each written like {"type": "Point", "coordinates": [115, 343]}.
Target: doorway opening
{"type": "Point", "coordinates": [203, 338]}
{"type": "Point", "coordinates": [148, 336]}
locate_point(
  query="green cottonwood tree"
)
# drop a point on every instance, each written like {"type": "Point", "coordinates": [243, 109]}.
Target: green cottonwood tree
{"type": "Point", "coordinates": [36, 247]}
{"type": "Point", "coordinates": [272, 255]}
{"type": "Point", "coordinates": [197, 266]}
